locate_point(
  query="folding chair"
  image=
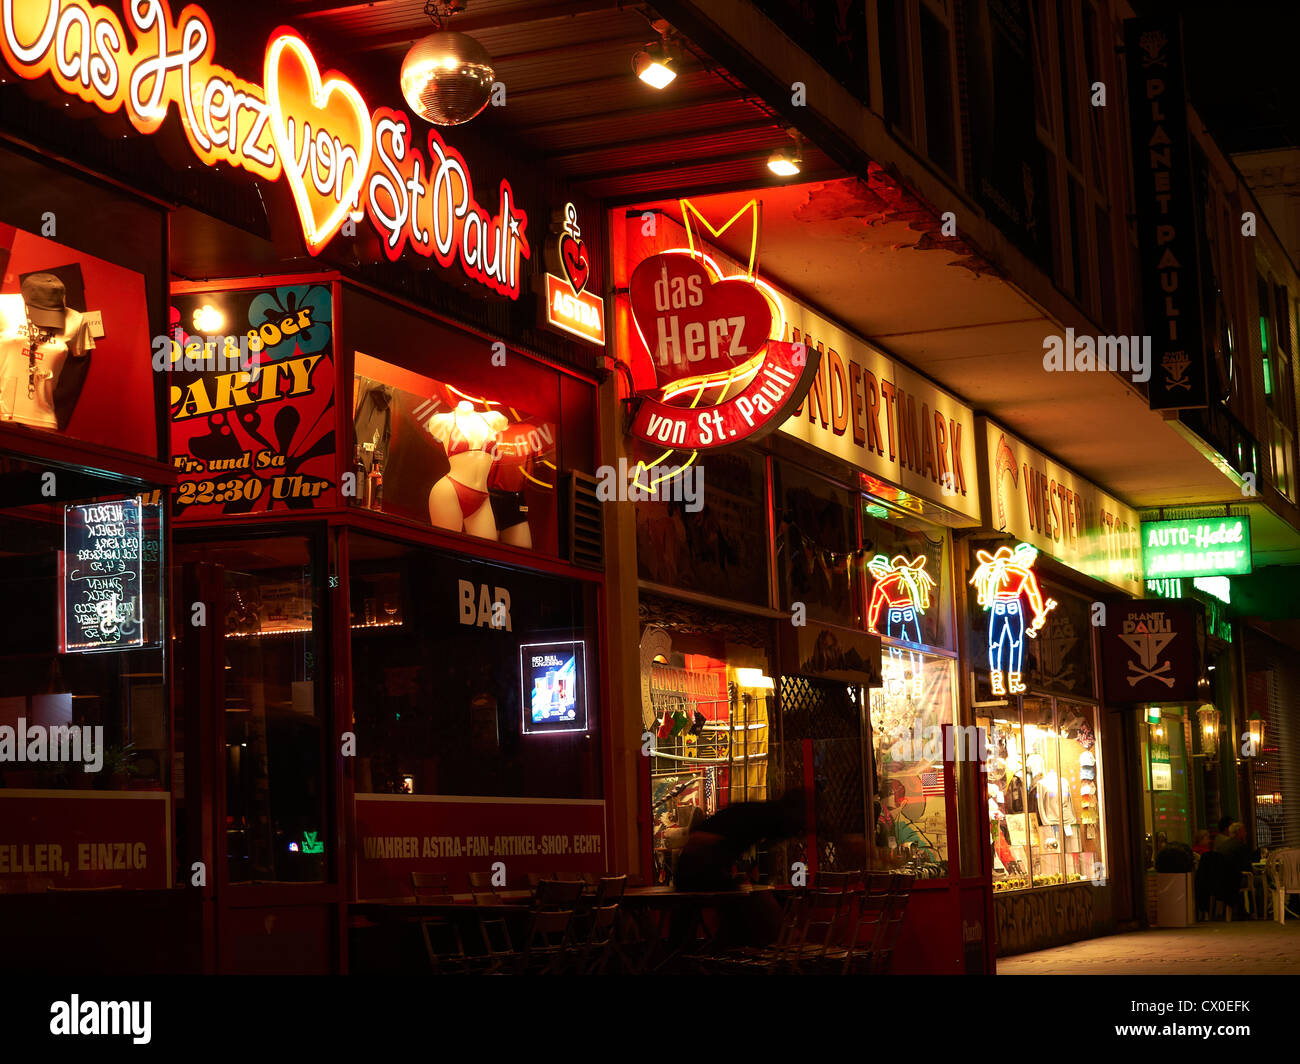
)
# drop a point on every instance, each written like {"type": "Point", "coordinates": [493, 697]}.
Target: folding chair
{"type": "Point", "coordinates": [481, 883]}
{"type": "Point", "coordinates": [882, 951]}
{"type": "Point", "coordinates": [442, 942]}
{"type": "Point", "coordinates": [549, 946]}
{"type": "Point", "coordinates": [817, 938]}
{"type": "Point", "coordinates": [431, 887]}
{"type": "Point", "coordinates": [869, 926]}
{"type": "Point", "coordinates": [555, 894]}
{"type": "Point", "coordinates": [773, 959]}
{"type": "Point", "coordinates": [599, 942]}
{"type": "Point", "coordinates": [836, 880]}
{"type": "Point", "coordinates": [609, 889]}
{"type": "Point", "coordinates": [879, 884]}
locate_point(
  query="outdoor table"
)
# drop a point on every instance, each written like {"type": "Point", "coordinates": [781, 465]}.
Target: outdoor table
{"type": "Point", "coordinates": [674, 922]}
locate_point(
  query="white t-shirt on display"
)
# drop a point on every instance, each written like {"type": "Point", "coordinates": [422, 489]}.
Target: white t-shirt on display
{"type": "Point", "coordinates": [27, 384]}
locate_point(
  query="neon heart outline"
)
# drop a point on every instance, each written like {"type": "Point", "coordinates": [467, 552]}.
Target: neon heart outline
{"type": "Point", "coordinates": [321, 91]}
{"type": "Point", "coordinates": [581, 245]}
{"type": "Point", "coordinates": [723, 376]}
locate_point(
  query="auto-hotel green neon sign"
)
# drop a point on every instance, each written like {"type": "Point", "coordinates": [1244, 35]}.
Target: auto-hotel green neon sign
{"type": "Point", "coordinates": [1213, 546]}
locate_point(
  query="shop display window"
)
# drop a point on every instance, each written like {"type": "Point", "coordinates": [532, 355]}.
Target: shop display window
{"type": "Point", "coordinates": [909, 715]}
{"type": "Point", "coordinates": [1044, 793]}
{"type": "Point", "coordinates": [712, 701]}
{"type": "Point", "coordinates": [711, 538]}
{"type": "Point", "coordinates": [83, 708]}
{"type": "Point", "coordinates": [471, 679]}
{"type": "Point", "coordinates": [817, 547]}
{"type": "Point", "coordinates": [77, 319]}
{"type": "Point", "coordinates": [908, 571]}
{"type": "Point", "coordinates": [457, 458]}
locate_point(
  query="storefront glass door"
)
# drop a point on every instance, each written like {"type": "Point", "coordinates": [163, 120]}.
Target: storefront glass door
{"type": "Point", "coordinates": [1164, 759]}
{"type": "Point", "coordinates": [275, 808]}
{"type": "Point", "coordinates": [261, 608]}
{"type": "Point", "coordinates": [254, 670]}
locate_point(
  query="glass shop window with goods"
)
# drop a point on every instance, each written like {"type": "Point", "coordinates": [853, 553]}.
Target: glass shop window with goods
{"type": "Point", "coordinates": [907, 567]}
{"type": "Point", "coordinates": [1044, 779]}
{"type": "Point", "coordinates": [83, 704]}
{"type": "Point", "coordinates": [1044, 792]}
{"type": "Point", "coordinates": [445, 439]}
{"type": "Point", "coordinates": [711, 694]}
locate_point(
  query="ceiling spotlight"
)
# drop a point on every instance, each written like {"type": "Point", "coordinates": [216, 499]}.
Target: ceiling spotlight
{"type": "Point", "coordinates": [653, 64]}
{"type": "Point", "coordinates": [786, 162]}
{"type": "Point", "coordinates": [654, 69]}
{"type": "Point", "coordinates": [783, 163]}
{"type": "Point", "coordinates": [447, 77]}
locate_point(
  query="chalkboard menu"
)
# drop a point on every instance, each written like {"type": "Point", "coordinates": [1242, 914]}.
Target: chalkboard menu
{"type": "Point", "coordinates": [103, 560]}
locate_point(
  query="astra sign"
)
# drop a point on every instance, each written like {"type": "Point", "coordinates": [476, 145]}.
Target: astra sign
{"type": "Point", "coordinates": [722, 374]}
{"type": "Point", "coordinates": [341, 161]}
{"type": "Point", "coordinates": [570, 306]}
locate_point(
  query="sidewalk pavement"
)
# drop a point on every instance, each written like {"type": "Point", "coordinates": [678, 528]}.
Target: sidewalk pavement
{"type": "Point", "coordinates": [1243, 947]}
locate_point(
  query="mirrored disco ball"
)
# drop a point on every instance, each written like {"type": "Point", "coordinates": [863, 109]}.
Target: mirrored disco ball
{"type": "Point", "coordinates": [447, 78]}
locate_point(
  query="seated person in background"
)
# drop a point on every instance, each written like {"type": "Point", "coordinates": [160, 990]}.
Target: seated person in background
{"type": "Point", "coordinates": [1235, 851]}
{"type": "Point", "coordinates": [1220, 831]}
{"type": "Point", "coordinates": [1235, 848]}
{"type": "Point", "coordinates": [1201, 844]}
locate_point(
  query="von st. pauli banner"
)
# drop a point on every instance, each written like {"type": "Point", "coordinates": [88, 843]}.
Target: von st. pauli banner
{"type": "Point", "coordinates": [341, 160]}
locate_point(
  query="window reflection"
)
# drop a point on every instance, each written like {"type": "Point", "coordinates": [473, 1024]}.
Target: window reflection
{"type": "Point", "coordinates": [275, 820]}
{"type": "Point", "coordinates": [439, 681]}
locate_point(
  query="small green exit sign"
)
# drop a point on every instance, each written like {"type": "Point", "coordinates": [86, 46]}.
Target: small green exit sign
{"type": "Point", "coordinates": [1208, 546]}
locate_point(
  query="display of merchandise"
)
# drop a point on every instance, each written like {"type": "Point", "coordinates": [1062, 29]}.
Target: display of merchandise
{"type": "Point", "coordinates": [1042, 788]}
{"type": "Point", "coordinates": [359, 473]}
{"type": "Point", "coordinates": [709, 752]}
{"type": "Point", "coordinates": [375, 492]}
{"type": "Point", "coordinates": [39, 335]}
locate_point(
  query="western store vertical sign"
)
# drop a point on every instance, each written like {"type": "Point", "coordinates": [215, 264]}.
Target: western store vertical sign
{"type": "Point", "coordinates": [1162, 191]}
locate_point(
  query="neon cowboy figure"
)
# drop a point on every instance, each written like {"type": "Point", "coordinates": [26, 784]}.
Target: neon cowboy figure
{"type": "Point", "coordinates": [902, 593]}
{"type": "Point", "coordinates": [1001, 579]}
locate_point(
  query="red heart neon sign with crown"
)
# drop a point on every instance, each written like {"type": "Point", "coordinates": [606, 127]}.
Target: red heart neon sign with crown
{"type": "Point", "coordinates": [723, 375]}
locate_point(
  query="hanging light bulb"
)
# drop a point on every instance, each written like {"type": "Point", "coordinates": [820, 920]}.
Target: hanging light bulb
{"type": "Point", "coordinates": [447, 77]}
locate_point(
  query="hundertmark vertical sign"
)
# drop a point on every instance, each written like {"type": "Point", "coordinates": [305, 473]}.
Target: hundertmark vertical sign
{"type": "Point", "coordinates": [1162, 193]}
{"type": "Point", "coordinates": [103, 561]}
